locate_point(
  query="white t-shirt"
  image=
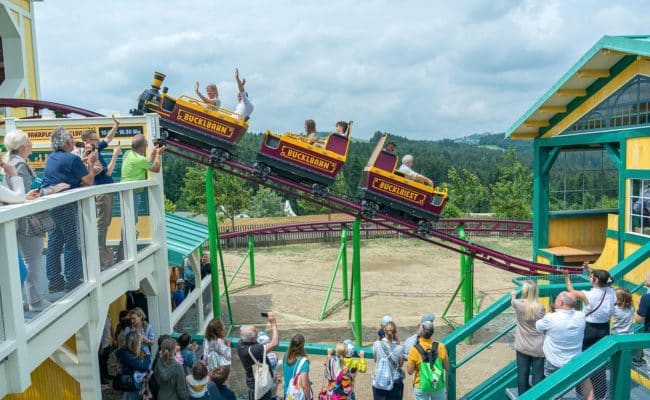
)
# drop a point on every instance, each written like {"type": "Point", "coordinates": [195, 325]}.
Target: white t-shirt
{"type": "Point", "coordinates": [563, 334]}
{"type": "Point", "coordinates": [408, 171]}
{"type": "Point", "coordinates": [623, 318]}
{"type": "Point", "coordinates": [244, 107]}
{"type": "Point", "coordinates": [606, 310]}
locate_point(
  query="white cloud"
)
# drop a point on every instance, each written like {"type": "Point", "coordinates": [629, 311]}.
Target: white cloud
{"type": "Point", "coordinates": [416, 68]}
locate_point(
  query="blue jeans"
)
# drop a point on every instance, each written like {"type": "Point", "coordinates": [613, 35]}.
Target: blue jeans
{"type": "Point", "coordinates": [422, 395]}
{"type": "Point", "coordinates": [64, 238]}
{"type": "Point", "coordinates": [524, 364]}
{"type": "Point", "coordinates": [137, 201]}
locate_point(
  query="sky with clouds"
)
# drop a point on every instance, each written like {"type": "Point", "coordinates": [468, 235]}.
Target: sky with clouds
{"type": "Point", "coordinates": [421, 69]}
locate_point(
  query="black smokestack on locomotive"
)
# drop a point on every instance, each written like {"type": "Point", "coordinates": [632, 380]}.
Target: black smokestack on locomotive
{"type": "Point", "coordinates": [150, 95]}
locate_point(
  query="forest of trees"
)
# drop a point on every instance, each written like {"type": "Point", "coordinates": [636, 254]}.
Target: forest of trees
{"type": "Point", "coordinates": [487, 173]}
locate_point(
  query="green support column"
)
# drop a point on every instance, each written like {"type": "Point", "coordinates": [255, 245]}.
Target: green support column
{"type": "Point", "coordinates": [451, 375]}
{"type": "Point", "coordinates": [251, 258]}
{"type": "Point", "coordinates": [213, 232]}
{"type": "Point", "coordinates": [542, 163]}
{"type": "Point", "coordinates": [467, 279]}
{"type": "Point", "coordinates": [344, 262]}
{"type": "Point", "coordinates": [356, 279]}
{"type": "Point", "coordinates": [621, 365]}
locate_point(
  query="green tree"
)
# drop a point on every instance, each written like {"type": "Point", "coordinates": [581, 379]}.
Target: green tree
{"type": "Point", "coordinates": [266, 203]}
{"type": "Point", "coordinates": [466, 191]}
{"type": "Point", "coordinates": [174, 171]}
{"type": "Point", "coordinates": [230, 192]}
{"type": "Point", "coordinates": [512, 193]}
{"type": "Point", "coordinates": [170, 207]}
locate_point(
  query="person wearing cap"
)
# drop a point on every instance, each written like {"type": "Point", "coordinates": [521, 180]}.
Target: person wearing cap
{"type": "Point", "coordinates": [414, 359]}
{"type": "Point", "coordinates": [179, 294]}
{"type": "Point", "coordinates": [411, 340]}
{"type": "Point", "coordinates": [384, 321]}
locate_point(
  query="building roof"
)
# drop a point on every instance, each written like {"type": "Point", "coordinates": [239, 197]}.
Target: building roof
{"type": "Point", "coordinates": [184, 236]}
{"type": "Point", "coordinates": [606, 59]}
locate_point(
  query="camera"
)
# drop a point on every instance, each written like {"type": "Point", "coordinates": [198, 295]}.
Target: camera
{"type": "Point", "coordinates": [79, 145]}
{"type": "Point", "coordinates": [264, 314]}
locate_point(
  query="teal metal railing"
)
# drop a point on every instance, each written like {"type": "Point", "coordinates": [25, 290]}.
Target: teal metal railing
{"type": "Point", "coordinates": [494, 386]}
{"type": "Point", "coordinates": [614, 349]}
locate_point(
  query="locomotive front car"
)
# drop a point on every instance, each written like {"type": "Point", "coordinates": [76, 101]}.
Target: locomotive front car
{"type": "Point", "coordinates": [386, 189]}
{"type": "Point", "coordinates": [295, 157]}
{"type": "Point", "coordinates": [192, 122]}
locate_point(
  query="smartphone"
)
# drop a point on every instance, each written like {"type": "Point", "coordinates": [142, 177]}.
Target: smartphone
{"type": "Point", "coordinates": [353, 370]}
{"type": "Point", "coordinates": [264, 314]}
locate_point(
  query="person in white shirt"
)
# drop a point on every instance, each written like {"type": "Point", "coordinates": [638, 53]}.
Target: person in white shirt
{"type": "Point", "coordinates": [599, 307]}
{"type": "Point", "coordinates": [406, 168]}
{"type": "Point", "coordinates": [244, 105]}
{"type": "Point", "coordinates": [563, 332]}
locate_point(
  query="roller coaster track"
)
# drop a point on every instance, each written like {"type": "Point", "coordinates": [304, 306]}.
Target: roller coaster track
{"type": "Point", "coordinates": [334, 203]}
{"type": "Point", "coordinates": [447, 225]}
{"type": "Point", "coordinates": [337, 204]}
{"type": "Point", "coordinates": [60, 110]}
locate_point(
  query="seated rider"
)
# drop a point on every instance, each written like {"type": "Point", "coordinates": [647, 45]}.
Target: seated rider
{"type": "Point", "coordinates": [244, 105]}
{"type": "Point", "coordinates": [390, 147]}
{"type": "Point", "coordinates": [212, 101]}
{"type": "Point", "coordinates": [310, 132]}
{"type": "Point", "coordinates": [407, 163]}
{"type": "Point", "coordinates": [342, 128]}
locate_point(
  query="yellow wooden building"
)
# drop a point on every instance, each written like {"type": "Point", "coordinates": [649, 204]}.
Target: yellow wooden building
{"type": "Point", "coordinates": [595, 123]}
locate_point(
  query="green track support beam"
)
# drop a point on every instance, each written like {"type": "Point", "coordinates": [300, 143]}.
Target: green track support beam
{"type": "Point", "coordinates": [342, 260]}
{"type": "Point", "coordinates": [251, 259]}
{"type": "Point", "coordinates": [356, 280]}
{"type": "Point", "coordinates": [213, 233]}
{"type": "Point", "coordinates": [215, 249]}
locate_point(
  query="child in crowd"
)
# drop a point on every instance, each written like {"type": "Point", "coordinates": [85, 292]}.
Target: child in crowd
{"type": "Point", "coordinates": [197, 382]}
{"type": "Point", "coordinates": [623, 313]}
{"type": "Point", "coordinates": [187, 351]}
{"type": "Point", "coordinates": [360, 363]}
{"type": "Point", "coordinates": [216, 350]}
{"type": "Point", "coordinates": [217, 386]}
{"type": "Point", "coordinates": [623, 319]}
{"type": "Point", "coordinates": [178, 295]}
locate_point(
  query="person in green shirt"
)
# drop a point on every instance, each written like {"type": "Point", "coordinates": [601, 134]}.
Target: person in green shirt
{"type": "Point", "coordinates": [135, 166]}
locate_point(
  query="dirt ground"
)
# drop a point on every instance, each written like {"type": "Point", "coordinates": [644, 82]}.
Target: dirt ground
{"type": "Point", "coordinates": [401, 278]}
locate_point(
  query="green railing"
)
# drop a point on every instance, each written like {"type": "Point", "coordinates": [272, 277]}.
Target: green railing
{"type": "Point", "coordinates": [614, 349]}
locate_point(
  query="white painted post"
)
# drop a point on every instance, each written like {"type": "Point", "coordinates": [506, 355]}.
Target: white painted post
{"type": "Point", "coordinates": [88, 361]}
{"type": "Point", "coordinates": [13, 316]}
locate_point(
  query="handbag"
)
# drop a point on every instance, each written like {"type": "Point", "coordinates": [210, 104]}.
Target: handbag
{"type": "Point", "coordinates": [124, 383]}
{"type": "Point", "coordinates": [37, 224]}
{"type": "Point", "coordinates": [145, 390]}
{"type": "Point", "coordinates": [262, 375]}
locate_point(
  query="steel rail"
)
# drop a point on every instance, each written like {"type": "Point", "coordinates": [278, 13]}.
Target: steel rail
{"type": "Point", "coordinates": [482, 253]}
{"type": "Point", "coordinates": [39, 105]}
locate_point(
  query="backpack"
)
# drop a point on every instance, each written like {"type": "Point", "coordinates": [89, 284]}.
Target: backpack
{"type": "Point", "coordinates": [384, 370]}
{"type": "Point", "coordinates": [215, 358]}
{"type": "Point", "coordinates": [432, 373]}
{"type": "Point", "coordinates": [294, 390]}
{"type": "Point", "coordinates": [261, 374]}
